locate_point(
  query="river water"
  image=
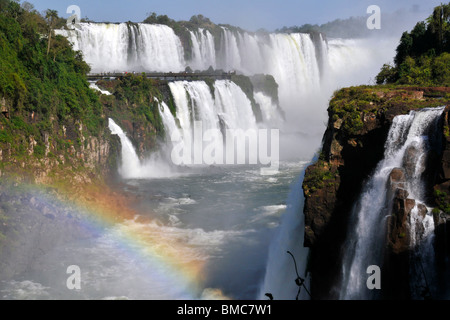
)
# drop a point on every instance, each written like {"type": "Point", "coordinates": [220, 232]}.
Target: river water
{"type": "Point", "coordinates": [223, 219]}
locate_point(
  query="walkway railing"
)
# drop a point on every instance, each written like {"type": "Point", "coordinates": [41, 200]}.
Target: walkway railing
{"type": "Point", "coordinates": [164, 76]}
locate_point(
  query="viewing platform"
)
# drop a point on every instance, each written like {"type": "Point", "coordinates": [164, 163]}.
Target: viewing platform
{"type": "Point", "coordinates": [170, 76]}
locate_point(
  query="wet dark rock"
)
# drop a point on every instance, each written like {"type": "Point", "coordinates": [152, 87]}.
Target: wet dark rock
{"type": "Point", "coordinates": [328, 205]}
{"type": "Point", "coordinates": [410, 160]}
{"type": "Point", "coordinates": [401, 193]}
{"type": "Point", "coordinates": [397, 175]}
{"type": "Point", "coordinates": [422, 210]}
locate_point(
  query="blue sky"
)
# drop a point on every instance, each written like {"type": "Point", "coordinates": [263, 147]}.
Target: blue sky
{"type": "Point", "coordinates": [248, 14]}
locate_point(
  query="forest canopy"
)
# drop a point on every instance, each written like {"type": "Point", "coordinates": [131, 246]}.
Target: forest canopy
{"type": "Point", "coordinates": [423, 54]}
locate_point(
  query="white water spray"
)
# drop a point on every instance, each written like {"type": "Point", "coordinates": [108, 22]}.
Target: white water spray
{"type": "Point", "coordinates": [280, 276]}
{"type": "Point", "coordinates": [366, 243]}
{"type": "Point", "coordinates": [306, 80]}
{"type": "Point", "coordinates": [130, 161]}
{"type": "Point", "coordinates": [127, 47]}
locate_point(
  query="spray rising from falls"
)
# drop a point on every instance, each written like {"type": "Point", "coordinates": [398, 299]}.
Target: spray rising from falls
{"type": "Point", "coordinates": [157, 166]}
{"type": "Point", "coordinates": [306, 69]}
{"type": "Point", "coordinates": [130, 160]}
{"type": "Point", "coordinates": [127, 47]}
{"type": "Point", "coordinates": [281, 272]}
{"type": "Point", "coordinates": [410, 138]}
{"type": "Point", "coordinates": [204, 116]}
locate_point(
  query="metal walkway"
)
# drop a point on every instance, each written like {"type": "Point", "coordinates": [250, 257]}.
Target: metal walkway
{"type": "Point", "coordinates": [164, 76]}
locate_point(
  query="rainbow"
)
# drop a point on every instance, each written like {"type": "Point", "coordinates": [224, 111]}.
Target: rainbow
{"type": "Point", "coordinates": [166, 258]}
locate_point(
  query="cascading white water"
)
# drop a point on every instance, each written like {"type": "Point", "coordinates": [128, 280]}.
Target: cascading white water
{"type": "Point", "coordinates": [92, 85]}
{"type": "Point", "coordinates": [306, 71]}
{"type": "Point", "coordinates": [127, 47]}
{"type": "Point", "coordinates": [305, 80]}
{"type": "Point", "coordinates": [203, 50]}
{"type": "Point", "coordinates": [168, 120]}
{"type": "Point", "coordinates": [194, 102]}
{"type": "Point", "coordinates": [291, 59]}
{"type": "Point", "coordinates": [233, 106]}
{"type": "Point", "coordinates": [269, 110]}
{"type": "Point", "coordinates": [280, 276]}
{"type": "Point", "coordinates": [159, 164]}
{"type": "Point", "coordinates": [365, 244]}
{"type": "Point", "coordinates": [226, 108]}
{"type": "Point", "coordinates": [130, 161]}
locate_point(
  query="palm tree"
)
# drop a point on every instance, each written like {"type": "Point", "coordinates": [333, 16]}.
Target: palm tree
{"type": "Point", "coordinates": [50, 16]}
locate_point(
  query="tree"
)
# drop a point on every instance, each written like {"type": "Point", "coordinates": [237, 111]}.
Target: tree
{"type": "Point", "coordinates": [439, 25]}
{"type": "Point", "coordinates": [51, 16]}
{"type": "Point", "coordinates": [27, 6]}
{"type": "Point", "coordinates": [152, 18]}
{"type": "Point", "coordinates": [420, 39]}
{"type": "Point", "coordinates": [441, 69]}
{"type": "Point", "coordinates": [200, 20]}
{"type": "Point", "coordinates": [404, 48]}
{"type": "Point", "coordinates": [386, 75]}
{"type": "Point", "coordinates": [11, 8]}
{"type": "Point", "coordinates": [423, 54]}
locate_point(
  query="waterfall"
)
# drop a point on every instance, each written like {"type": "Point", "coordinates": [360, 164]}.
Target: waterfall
{"type": "Point", "coordinates": [94, 86]}
{"type": "Point", "coordinates": [290, 58]}
{"type": "Point", "coordinates": [219, 108]}
{"type": "Point", "coordinates": [366, 242]}
{"type": "Point", "coordinates": [158, 165]}
{"type": "Point", "coordinates": [130, 161]}
{"type": "Point", "coordinates": [269, 110]}
{"type": "Point", "coordinates": [225, 108]}
{"type": "Point", "coordinates": [306, 71]}
{"type": "Point", "coordinates": [280, 276]}
{"type": "Point", "coordinates": [233, 106]}
{"type": "Point", "coordinates": [203, 50]}
{"type": "Point", "coordinates": [127, 47]}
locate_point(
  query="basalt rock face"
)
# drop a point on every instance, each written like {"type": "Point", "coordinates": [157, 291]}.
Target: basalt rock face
{"type": "Point", "coordinates": [353, 144]}
{"type": "Point", "coordinates": [65, 151]}
{"type": "Point", "coordinates": [398, 237]}
{"type": "Point", "coordinates": [441, 196]}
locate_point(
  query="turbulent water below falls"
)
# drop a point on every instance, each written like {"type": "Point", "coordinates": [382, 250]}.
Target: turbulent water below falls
{"type": "Point", "coordinates": [221, 219]}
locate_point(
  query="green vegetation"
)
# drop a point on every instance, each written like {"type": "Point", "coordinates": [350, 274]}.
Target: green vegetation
{"type": "Point", "coordinates": [319, 176]}
{"type": "Point", "coordinates": [351, 104]}
{"type": "Point", "coordinates": [39, 75]}
{"type": "Point", "coordinates": [48, 111]}
{"type": "Point", "coordinates": [43, 86]}
{"type": "Point", "coordinates": [135, 98]}
{"type": "Point", "coordinates": [423, 55]}
{"type": "Point", "coordinates": [442, 201]}
{"type": "Point", "coordinates": [354, 27]}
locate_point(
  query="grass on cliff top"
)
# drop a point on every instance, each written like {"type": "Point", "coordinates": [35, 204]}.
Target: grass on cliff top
{"type": "Point", "coordinates": [371, 98]}
{"type": "Point", "coordinates": [350, 104]}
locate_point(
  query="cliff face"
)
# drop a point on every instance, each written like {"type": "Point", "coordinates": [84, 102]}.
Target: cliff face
{"type": "Point", "coordinates": [353, 144]}
{"type": "Point", "coordinates": [63, 151]}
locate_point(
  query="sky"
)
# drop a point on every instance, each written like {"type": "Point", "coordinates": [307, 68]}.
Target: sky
{"type": "Point", "coordinates": [247, 14]}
